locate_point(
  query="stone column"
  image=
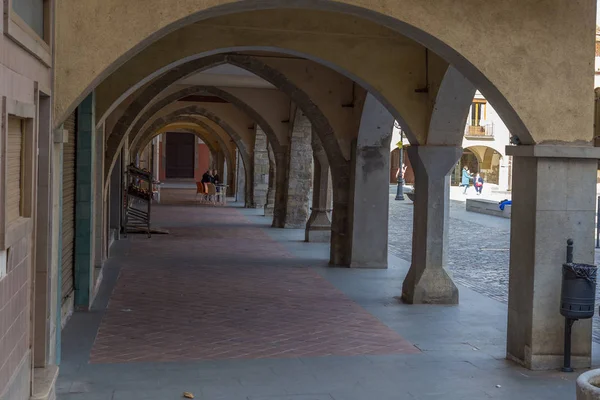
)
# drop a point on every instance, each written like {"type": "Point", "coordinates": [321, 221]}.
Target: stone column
{"type": "Point", "coordinates": [428, 281]}
{"type": "Point", "coordinates": [231, 181]}
{"type": "Point", "coordinates": [156, 158]}
{"type": "Point", "coordinates": [318, 227]}
{"type": "Point", "coordinates": [212, 160]}
{"type": "Point", "coordinates": [221, 164]}
{"type": "Point", "coordinates": [261, 168]}
{"type": "Point", "coordinates": [554, 199]}
{"type": "Point", "coordinates": [240, 194]}
{"type": "Point", "coordinates": [370, 187]}
{"type": "Point", "coordinates": [280, 201]}
{"type": "Point", "coordinates": [270, 201]}
{"type": "Point", "coordinates": [299, 172]}
{"type": "Point", "coordinates": [84, 204]}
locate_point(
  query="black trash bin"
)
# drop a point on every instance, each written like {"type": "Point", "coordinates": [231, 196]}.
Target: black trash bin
{"type": "Point", "coordinates": [578, 291]}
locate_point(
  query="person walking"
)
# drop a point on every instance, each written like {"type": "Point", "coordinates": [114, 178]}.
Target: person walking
{"type": "Point", "coordinates": [403, 169]}
{"type": "Point", "coordinates": [466, 178]}
{"type": "Point", "coordinates": [478, 183]}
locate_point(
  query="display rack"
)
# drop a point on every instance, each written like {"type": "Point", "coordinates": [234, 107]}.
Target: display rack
{"type": "Point", "coordinates": [137, 200]}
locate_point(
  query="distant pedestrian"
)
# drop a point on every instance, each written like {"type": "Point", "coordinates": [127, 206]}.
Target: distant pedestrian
{"type": "Point", "coordinates": [216, 179]}
{"type": "Point", "coordinates": [466, 179]}
{"type": "Point", "coordinates": [403, 169]}
{"type": "Point", "coordinates": [207, 177]}
{"type": "Point", "coordinates": [478, 183]}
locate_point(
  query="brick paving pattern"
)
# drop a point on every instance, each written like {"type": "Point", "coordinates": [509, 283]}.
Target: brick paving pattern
{"type": "Point", "coordinates": [219, 288]}
{"type": "Point", "coordinates": [478, 255]}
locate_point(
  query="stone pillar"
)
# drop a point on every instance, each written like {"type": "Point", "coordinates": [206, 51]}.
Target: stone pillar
{"type": "Point", "coordinates": [220, 164]}
{"type": "Point", "coordinates": [554, 199]}
{"type": "Point", "coordinates": [231, 181]}
{"type": "Point", "coordinates": [503, 177]}
{"type": "Point", "coordinates": [318, 227]}
{"type": "Point", "coordinates": [428, 281]}
{"type": "Point", "coordinates": [261, 168]}
{"type": "Point", "coordinates": [281, 188]}
{"type": "Point", "coordinates": [270, 202]}
{"type": "Point", "coordinates": [370, 187]}
{"type": "Point", "coordinates": [156, 157]}
{"type": "Point", "coordinates": [240, 194]}
{"type": "Point", "coordinates": [299, 172]}
{"type": "Point", "coordinates": [84, 204]}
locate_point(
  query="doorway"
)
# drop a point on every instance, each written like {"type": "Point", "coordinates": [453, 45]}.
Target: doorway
{"type": "Point", "coordinates": [180, 155]}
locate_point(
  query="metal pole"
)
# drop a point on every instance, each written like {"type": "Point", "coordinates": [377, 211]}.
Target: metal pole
{"type": "Point", "coordinates": [400, 189]}
{"type": "Point", "coordinates": [567, 356]}
{"type": "Point", "coordinates": [569, 250]}
{"type": "Point", "coordinates": [568, 321]}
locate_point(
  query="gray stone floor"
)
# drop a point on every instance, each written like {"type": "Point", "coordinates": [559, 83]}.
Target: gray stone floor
{"type": "Point", "coordinates": [462, 349]}
{"type": "Point", "coordinates": [478, 253]}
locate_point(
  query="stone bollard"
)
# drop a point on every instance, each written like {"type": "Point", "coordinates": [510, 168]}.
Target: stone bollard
{"type": "Point", "coordinates": [588, 385]}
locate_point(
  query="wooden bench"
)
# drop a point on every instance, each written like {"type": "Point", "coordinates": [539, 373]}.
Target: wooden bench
{"type": "Point", "coordinates": [489, 207]}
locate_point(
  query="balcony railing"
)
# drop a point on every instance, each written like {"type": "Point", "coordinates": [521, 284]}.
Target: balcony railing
{"type": "Point", "coordinates": [485, 132]}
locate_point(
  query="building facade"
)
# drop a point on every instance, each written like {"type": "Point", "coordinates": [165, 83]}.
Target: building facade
{"type": "Point", "coordinates": [484, 148]}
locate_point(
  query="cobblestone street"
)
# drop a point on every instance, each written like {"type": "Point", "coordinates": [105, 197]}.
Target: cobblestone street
{"type": "Point", "coordinates": [478, 253]}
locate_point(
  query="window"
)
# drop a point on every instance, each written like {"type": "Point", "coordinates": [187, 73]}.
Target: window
{"type": "Point", "coordinates": [17, 171]}
{"type": "Point", "coordinates": [32, 13]}
{"type": "Point", "coordinates": [28, 23]}
{"type": "Point", "coordinates": [478, 112]}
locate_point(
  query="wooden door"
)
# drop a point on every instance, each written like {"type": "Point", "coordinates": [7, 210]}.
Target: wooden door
{"type": "Point", "coordinates": [180, 155]}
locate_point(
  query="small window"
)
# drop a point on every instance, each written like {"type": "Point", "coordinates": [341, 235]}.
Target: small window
{"type": "Point", "coordinates": [32, 13]}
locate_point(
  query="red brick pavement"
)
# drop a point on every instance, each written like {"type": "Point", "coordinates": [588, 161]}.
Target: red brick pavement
{"type": "Point", "coordinates": [212, 291]}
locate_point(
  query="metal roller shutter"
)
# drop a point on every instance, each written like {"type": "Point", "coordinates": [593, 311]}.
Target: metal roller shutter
{"type": "Point", "coordinates": [68, 207]}
{"type": "Point", "coordinates": [14, 151]}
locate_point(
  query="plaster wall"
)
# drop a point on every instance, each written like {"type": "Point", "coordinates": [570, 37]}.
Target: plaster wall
{"type": "Point", "coordinates": [523, 47]}
{"type": "Point", "coordinates": [398, 61]}
{"type": "Point", "coordinates": [202, 162]}
{"type": "Point", "coordinates": [272, 105]}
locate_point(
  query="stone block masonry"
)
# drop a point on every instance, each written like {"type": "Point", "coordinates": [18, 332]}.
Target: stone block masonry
{"type": "Point", "coordinates": [300, 172]}
{"type": "Point", "coordinates": [261, 168]}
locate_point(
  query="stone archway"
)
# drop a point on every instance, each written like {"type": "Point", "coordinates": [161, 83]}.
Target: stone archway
{"type": "Point", "coordinates": [488, 163]}
{"type": "Point", "coordinates": [198, 131]}
{"type": "Point", "coordinates": [399, 19]}
{"type": "Point", "coordinates": [187, 114]}
{"type": "Point", "coordinates": [156, 103]}
{"type": "Point", "coordinates": [511, 91]}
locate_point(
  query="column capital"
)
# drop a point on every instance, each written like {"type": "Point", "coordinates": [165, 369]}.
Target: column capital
{"type": "Point", "coordinates": [559, 150]}
{"type": "Point", "coordinates": [436, 160]}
